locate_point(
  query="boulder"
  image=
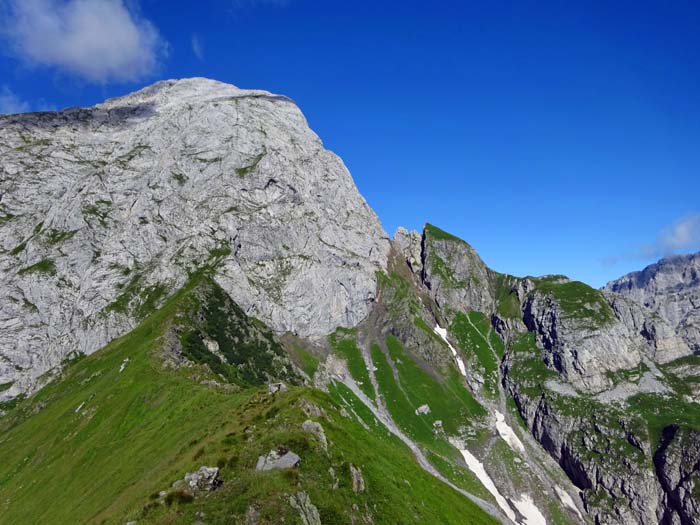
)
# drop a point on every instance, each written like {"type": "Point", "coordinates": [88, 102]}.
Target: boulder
{"type": "Point", "coordinates": [312, 427]}
{"type": "Point", "coordinates": [278, 459]}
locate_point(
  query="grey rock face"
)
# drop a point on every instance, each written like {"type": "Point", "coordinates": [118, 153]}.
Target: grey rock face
{"type": "Point", "coordinates": [308, 513]}
{"type": "Point", "coordinates": [664, 344]}
{"type": "Point", "coordinates": [409, 244]}
{"type": "Point", "coordinates": [105, 210]}
{"type": "Point", "coordinates": [670, 288]}
{"type": "Point", "coordinates": [587, 449]}
{"type": "Point", "coordinates": [454, 273]}
{"type": "Point", "coordinates": [278, 460]}
{"type": "Point", "coordinates": [677, 463]}
{"type": "Point", "coordinates": [582, 351]}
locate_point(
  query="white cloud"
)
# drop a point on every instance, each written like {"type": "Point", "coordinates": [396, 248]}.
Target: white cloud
{"type": "Point", "coordinates": [682, 235]}
{"type": "Point", "coordinates": [98, 40]}
{"type": "Point", "coordinates": [197, 47]}
{"type": "Point", "coordinates": [11, 103]}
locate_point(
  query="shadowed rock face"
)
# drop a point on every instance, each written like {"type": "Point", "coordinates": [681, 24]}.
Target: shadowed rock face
{"type": "Point", "coordinates": [677, 463]}
{"type": "Point", "coordinates": [104, 211]}
{"type": "Point", "coordinates": [670, 288]}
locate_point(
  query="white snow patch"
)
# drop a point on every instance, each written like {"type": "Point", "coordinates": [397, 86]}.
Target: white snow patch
{"type": "Point", "coordinates": [530, 512]}
{"type": "Point", "coordinates": [80, 407]}
{"type": "Point", "coordinates": [478, 469]}
{"type": "Point", "coordinates": [508, 435]}
{"type": "Point", "coordinates": [567, 500]}
{"type": "Point", "coordinates": [124, 363]}
{"type": "Point", "coordinates": [442, 332]}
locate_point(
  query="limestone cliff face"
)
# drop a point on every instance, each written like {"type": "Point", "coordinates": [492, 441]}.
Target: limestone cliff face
{"type": "Point", "coordinates": [670, 288]}
{"type": "Point", "coordinates": [104, 212]}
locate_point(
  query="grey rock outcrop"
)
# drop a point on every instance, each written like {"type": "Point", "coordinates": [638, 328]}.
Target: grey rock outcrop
{"type": "Point", "coordinates": [423, 409]}
{"type": "Point", "coordinates": [205, 479]}
{"type": "Point", "coordinates": [588, 448]}
{"type": "Point", "coordinates": [277, 459]}
{"type": "Point", "coordinates": [274, 388]}
{"type": "Point", "coordinates": [454, 273]}
{"type": "Point", "coordinates": [664, 344]}
{"type": "Point", "coordinates": [105, 210]}
{"type": "Point", "coordinates": [410, 246]}
{"type": "Point", "coordinates": [670, 288]}
{"type": "Point", "coordinates": [308, 513]}
{"type": "Point", "coordinates": [315, 429]}
{"type": "Point", "coordinates": [677, 463]}
{"type": "Point", "coordinates": [581, 349]}
{"type": "Point", "coordinates": [358, 481]}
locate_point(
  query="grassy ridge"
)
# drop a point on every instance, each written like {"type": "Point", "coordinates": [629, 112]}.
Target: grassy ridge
{"type": "Point", "coordinates": [117, 427]}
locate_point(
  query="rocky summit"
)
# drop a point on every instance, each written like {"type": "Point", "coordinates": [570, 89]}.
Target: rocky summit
{"type": "Point", "coordinates": [204, 322]}
{"type": "Point", "coordinates": [671, 289]}
{"type": "Point", "coordinates": [105, 211]}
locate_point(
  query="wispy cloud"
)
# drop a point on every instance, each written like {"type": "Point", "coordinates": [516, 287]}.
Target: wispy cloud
{"type": "Point", "coordinates": [681, 236]}
{"type": "Point", "coordinates": [97, 40]}
{"type": "Point", "coordinates": [197, 47]}
{"type": "Point", "coordinates": [11, 103]}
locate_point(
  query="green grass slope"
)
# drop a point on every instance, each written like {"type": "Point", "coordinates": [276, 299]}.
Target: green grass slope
{"type": "Point", "coordinates": [117, 427]}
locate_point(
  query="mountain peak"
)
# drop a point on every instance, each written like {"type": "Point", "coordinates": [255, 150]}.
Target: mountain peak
{"type": "Point", "coordinates": [124, 200]}
{"type": "Point", "coordinates": [186, 90]}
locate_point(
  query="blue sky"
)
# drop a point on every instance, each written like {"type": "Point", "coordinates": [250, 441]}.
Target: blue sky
{"type": "Point", "coordinates": [555, 137]}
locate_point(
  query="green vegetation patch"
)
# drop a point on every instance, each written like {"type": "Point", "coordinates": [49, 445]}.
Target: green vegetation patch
{"type": "Point", "coordinates": [180, 178]}
{"type": "Point", "coordinates": [344, 342]}
{"type": "Point", "coordinates": [449, 401]}
{"type": "Point", "coordinates": [54, 236]}
{"type": "Point", "coordinates": [631, 375]}
{"type": "Point", "coordinates": [5, 216]}
{"type": "Point", "coordinates": [19, 248]}
{"type": "Point", "coordinates": [251, 354]}
{"type": "Point", "coordinates": [507, 297]}
{"type": "Point", "coordinates": [306, 360]}
{"type": "Point", "coordinates": [579, 301]}
{"type": "Point", "coordinates": [660, 411]}
{"type": "Point", "coordinates": [99, 210]}
{"type": "Point", "coordinates": [138, 150]}
{"type": "Point", "coordinates": [474, 336]}
{"type": "Point", "coordinates": [247, 170]}
{"type": "Point", "coordinates": [45, 267]}
{"type": "Point", "coordinates": [527, 367]}
{"type": "Point", "coordinates": [435, 233]}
